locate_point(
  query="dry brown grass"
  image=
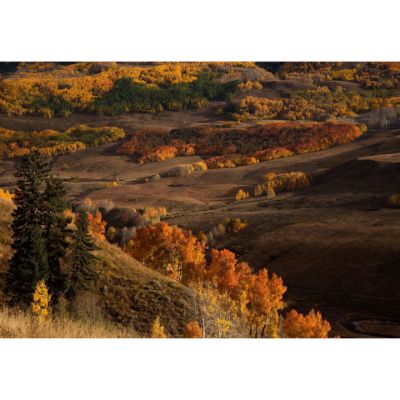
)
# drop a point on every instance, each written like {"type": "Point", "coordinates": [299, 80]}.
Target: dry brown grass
{"type": "Point", "coordinates": [21, 324]}
{"type": "Point", "coordinates": [134, 295]}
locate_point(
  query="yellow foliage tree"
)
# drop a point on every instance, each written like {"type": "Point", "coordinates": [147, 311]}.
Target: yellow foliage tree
{"type": "Point", "coordinates": [6, 195]}
{"type": "Point", "coordinates": [41, 300]}
{"type": "Point", "coordinates": [218, 313]}
{"type": "Point", "coordinates": [157, 330]}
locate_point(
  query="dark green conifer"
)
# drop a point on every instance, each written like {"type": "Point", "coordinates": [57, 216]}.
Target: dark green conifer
{"type": "Point", "coordinates": [82, 259]}
{"type": "Point", "coordinates": [29, 262]}
{"type": "Point", "coordinates": [55, 235]}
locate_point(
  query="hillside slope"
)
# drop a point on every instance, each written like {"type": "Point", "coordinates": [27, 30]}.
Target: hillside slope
{"type": "Point", "coordinates": [128, 295]}
{"type": "Point", "coordinates": [134, 295]}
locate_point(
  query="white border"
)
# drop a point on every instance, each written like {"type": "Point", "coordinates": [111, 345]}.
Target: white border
{"type": "Point", "coordinates": [199, 369]}
{"type": "Point", "coordinates": [194, 30]}
{"type": "Point", "coordinates": [212, 30]}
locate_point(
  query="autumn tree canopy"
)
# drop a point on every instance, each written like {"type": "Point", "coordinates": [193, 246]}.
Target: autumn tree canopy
{"type": "Point", "coordinates": [312, 325]}
{"type": "Point", "coordinates": [169, 250]}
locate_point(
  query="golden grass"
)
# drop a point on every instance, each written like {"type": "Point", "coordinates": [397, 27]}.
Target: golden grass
{"type": "Point", "coordinates": [21, 324]}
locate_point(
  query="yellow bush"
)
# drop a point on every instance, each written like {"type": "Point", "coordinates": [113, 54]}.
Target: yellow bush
{"type": "Point", "coordinates": [260, 107]}
{"type": "Point", "coordinates": [249, 85]}
{"type": "Point", "coordinates": [234, 224]}
{"type": "Point", "coordinates": [113, 184]}
{"type": "Point", "coordinates": [41, 300]}
{"type": "Point", "coordinates": [287, 182]}
{"type": "Point", "coordinates": [242, 194]}
{"type": "Point", "coordinates": [6, 195]}
{"type": "Point", "coordinates": [394, 200]}
{"type": "Point", "coordinates": [200, 166]}
{"type": "Point", "coordinates": [266, 189]}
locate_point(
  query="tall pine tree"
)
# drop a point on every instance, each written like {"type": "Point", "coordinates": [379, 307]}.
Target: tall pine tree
{"type": "Point", "coordinates": [55, 235]}
{"type": "Point", "coordinates": [82, 260]}
{"type": "Point", "coordinates": [29, 262]}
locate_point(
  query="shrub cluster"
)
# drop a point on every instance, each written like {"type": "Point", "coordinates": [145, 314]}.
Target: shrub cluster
{"type": "Point", "coordinates": [228, 225]}
{"type": "Point", "coordinates": [316, 104]}
{"type": "Point", "coordinates": [277, 183]}
{"type": "Point", "coordinates": [250, 85]}
{"type": "Point", "coordinates": [253, 144]}
{"type": "Point", "coordinates": [373, 75]}
{"type": "Point", "coordinates": [231, 161]}
{"type": "Point", "coordinates": [50, 142]}
{"type": "Point", "coordinates": [118, 224]}
{"type": "Point", "coordinates": [186, 169]}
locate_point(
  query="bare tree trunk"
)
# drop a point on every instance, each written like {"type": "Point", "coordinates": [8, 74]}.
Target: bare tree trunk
{"type": "Point", "coordinates": [263, 330]}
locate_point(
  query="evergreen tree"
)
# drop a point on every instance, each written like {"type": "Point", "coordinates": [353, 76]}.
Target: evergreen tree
{"type": "Point", "coordinates": [82, 259]}
{"type": "Point", "coordinates": [29, 262]}
{"type": "Point", "coordinates": [55, 235]}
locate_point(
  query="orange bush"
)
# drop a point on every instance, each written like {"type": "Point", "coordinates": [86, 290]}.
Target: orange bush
{"type": "Point", "coordinates": [241, 195]}
{"type": "Point", "coordinates": [97, 227]}
{"type": "Point", "coordinates": [272, 154]}
{"type": "Point", "coordinates": [192, 330]}
{"type": "Point", "coordinates": [160, 153]}
{"type": "Point", "coordinates": [312, 325]}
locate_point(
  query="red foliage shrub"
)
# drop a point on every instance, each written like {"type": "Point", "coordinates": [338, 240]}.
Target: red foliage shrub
{"type": "Point", "coordinates": [252, 144]}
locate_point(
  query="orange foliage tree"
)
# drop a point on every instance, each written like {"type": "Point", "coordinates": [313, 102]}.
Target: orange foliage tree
{"type": "Point", "coordinates": [229, 294]}
{"type": "Point", "coordinates": [222, 270]}
{"type": "Point", "coordinates": [258, 296]}
{"type": "Point", "coordinates": [171, 250]}
{"type": "Point", "coordinates": [312, 325]}
{"type": "Point", "coordinates": [97, 227]}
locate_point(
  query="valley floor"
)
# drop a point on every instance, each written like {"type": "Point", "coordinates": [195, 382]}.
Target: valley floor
{"type": "Point", "coordinates": [335, 244]}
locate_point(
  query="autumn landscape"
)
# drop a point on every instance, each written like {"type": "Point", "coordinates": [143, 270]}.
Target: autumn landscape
{"type": "Point", "coordinates": [200, 200]}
